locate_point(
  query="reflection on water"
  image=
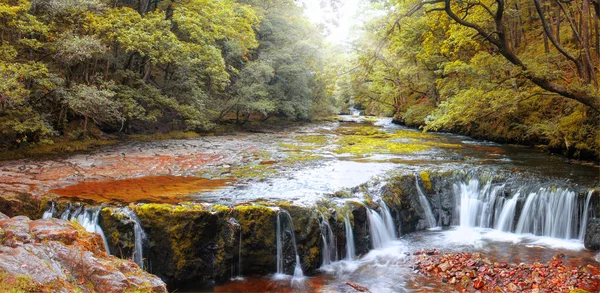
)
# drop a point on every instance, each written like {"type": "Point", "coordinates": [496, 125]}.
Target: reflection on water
{"type": "Point", "coordinates": [388, 269]}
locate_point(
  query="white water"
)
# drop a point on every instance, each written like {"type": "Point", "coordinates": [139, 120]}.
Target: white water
{"type": "Point", "coordinates": [87, 218]}
{"type": "Point", "coordinates": [329, 252]}
{"type": "Point", "coordinates": [139, 238]}
{"type": "Point", "coordinates": [379, 230]}
{"type": "Point", "coordinates": [388, 220]}
{"type": "Point", "coordinates": [350, 249]}
{"type": "Point", "coordinates": [584, 217]}
{"type": "Point", "coordinates": [429, 218]}
{"type": "Point", "coordinates": [507, 216]}
{"type": "Point", "coordinates": [279, 247]}
{"type": "Point", "coordinates": [298, 275]}
{"type": "Point", "coordinates": [547, 212]}
{"type": "Point", "coordinates": [49, 213]}
{"type": "Point", "coordinates": [477, 208]}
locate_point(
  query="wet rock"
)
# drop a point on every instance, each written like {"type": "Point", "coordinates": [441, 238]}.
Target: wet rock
{"type": "Point", "coordinates": [592, 234]}
{"type": "Point", "coordinates": [60, 256]}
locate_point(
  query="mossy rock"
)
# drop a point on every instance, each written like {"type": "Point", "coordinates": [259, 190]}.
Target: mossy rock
{"type": "Point", "coordinates": [183, 241]}
{"type": "Point", "coordinates": [308, 237]}
{"type": "Point", "coordinates": [259, 251]}
{"type": "Point", "coordinates": [118, 229]}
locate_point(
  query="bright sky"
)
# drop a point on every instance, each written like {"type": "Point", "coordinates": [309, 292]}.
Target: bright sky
{"type": "Point", "coordinates": [347, 18]}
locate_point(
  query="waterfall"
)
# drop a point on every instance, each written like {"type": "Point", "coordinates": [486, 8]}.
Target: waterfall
{"type": "Point", "coordinates": [388, 220]}
{"type": "Point", "coordinates": [86, 217]}
{"type": "Point", "coordinates": [65, 215]}
{"type": "Point", "coordinates": [139, 237]}
{"type": "Point", "coordinates": [584, 217]}
{"type": "Point", "coordinates": [50, 212]}
{"type": "Point", "coordinates": [378, 230]}
{"type": "Point", "coordinates": [429, 218]}
{"type": "Point", "coordinates": [350, 249]}
{"type": "Point", "coordinates": [279, 247]}
{"type": "Point", "coordinates": [329, 252]}
{"type": "Point", "coordinates": [298, 273]}
{"type": "Point", "coordinates": [507, 216]}
{"type": "Point", "coordinates": [549, 213]}
{"type": "Point", "coordinates": [477, 208]}
{"type": "Point", "coordinates": [240, 255]}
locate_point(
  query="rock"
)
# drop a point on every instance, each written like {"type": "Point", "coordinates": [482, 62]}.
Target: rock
{"type": "Point", "coordinates": [3, 216]}
{"type": "Point", "coordinates": [60, 256]}
{"type": "Point", "coordinates": [592, 234]}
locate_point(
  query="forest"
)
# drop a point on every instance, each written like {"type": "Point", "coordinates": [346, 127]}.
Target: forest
{"type": "Point", "coordinates": [511, 71]}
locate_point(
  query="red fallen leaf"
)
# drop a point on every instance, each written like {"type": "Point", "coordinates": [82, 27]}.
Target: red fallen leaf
{"type": "Point", "coordinates": [478, 284]}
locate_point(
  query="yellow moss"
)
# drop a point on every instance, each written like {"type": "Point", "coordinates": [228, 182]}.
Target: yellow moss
{"type": "Point", "coordinates": [426, 181]}
{"type": "Point", "coordinates": [313, 139]}
{"type": "Point", "coordinates": [364, 145]}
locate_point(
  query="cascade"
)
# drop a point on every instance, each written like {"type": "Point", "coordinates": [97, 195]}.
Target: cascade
{"type": "Point", "coordinates": [50, 212]}
{"type": "Point", "coordinates": [65, 215]}
{"type": "Point", "coordinates": [350, 249]}
{"type": "Point", "coordinates": [87, 218]}
{"type": "Point", "coordinates": [429, 218]}
{"type": "Point", "coordinates": [378, 230]}
{"type": "Point", "coordinates": [507, 216]}
{"type": "Point", "coordinates": [477, 208]}
{"type": "Point", "coordinates": [550, 211]}
{"type": "Point", "coordinates": [329, 253]}
{"type": "Point", "coordinates": [298, 273]}
{"type": "Point", "coordinates": [388, 220]}
{"type": "Point", "coordinates": [240, 255]}
{"type": "Point", "coordinates": [279, 246]}
{"type": "Point", "coordinates": [584, 217]}
{"type": "Point", "coordinates": [139, 237]}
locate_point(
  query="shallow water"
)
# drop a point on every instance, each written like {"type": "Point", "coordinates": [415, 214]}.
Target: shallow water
{"type": "Point", "coordinates": [388, 269]}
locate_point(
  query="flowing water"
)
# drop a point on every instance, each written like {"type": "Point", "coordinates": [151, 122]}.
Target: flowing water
{"type": "Point", "coordinates": [350, 248]}
{"type": "Point", "coordinates": [429, 218]}
{"type": "Point", "coordinates": [530, 216]}
{"type": "Point", "coordinates": [298, 274]}
{"type": "Point", "coordinates": [329, 252]}
{"type": "Point", "coordinates": [86, 217]}
{"type": "Point", "coordinates": [139, 237]}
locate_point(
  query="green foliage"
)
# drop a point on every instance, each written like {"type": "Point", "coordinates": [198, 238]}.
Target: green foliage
{"type": "Point", "coordinates": [170, 65]}
{"type": "Point", "coordinates": [432, 72]}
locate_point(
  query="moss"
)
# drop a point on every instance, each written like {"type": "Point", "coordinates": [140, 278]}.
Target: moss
{"type": "Point", "coordinates": [25, 284]}
{"type": "Point", "coordinates": [258, 238]}
{"type": "Point", "coordinates": [313, 139]}
{"type": "Point", "coordinates": [426, 181]}
{"type": "Point", "coordinates": [366, 140]}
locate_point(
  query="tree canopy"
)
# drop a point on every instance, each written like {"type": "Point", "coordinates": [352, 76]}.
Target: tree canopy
{"type": "Point", "coordinates": [521, 71]}
{"type": "Point", "coordinates": [152, 65]}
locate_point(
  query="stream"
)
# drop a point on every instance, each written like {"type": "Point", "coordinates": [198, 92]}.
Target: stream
{"type": "Point", "coordinates": [510, 203]}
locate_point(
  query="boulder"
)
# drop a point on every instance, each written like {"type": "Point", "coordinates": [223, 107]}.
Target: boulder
{"type": "Point", "coordinates": [54, 255]}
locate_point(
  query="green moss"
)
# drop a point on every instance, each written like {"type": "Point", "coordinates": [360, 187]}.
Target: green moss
{"type": "Point", "coordinates": [365, 145]}
{"type": "Point", "coordinates": [313, 139]}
